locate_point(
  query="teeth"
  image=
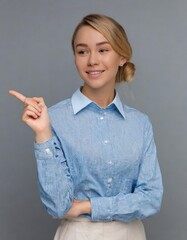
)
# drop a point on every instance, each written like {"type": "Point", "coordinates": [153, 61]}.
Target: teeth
{"type": "Point", "coordinates": [92, 73]}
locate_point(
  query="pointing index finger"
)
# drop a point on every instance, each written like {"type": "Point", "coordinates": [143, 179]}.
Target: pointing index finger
{"type": "Point", "coordinates": [18, 95]}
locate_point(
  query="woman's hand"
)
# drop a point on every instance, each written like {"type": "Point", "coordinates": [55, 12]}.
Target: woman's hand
{"type": "Point", "coordinates": [78, 208]}
{"type": "Point", "coordinates": [35, 115]}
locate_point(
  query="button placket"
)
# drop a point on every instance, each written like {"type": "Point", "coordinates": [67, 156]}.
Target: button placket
{"type": "Point", "coordinates": [106, 141]}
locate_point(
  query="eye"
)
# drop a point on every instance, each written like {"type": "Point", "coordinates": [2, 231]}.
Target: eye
{"type": "Point", "coordinates": [103, 50]}
{"type": "Point", "coordinates": [82, 52]}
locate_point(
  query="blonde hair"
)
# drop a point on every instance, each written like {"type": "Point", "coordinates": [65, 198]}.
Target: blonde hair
{"type": "Point", "coordinates": [117, 38]}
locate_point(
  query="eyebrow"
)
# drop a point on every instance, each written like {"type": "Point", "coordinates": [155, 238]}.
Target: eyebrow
{"type": "Point", "coordinates": [97, 44]}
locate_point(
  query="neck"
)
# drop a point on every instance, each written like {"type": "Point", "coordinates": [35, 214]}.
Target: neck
{"type": "Point", "coordinates": [101, 97]}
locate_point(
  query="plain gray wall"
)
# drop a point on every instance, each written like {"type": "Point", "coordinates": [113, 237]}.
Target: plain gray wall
{"type": "Point", "coordinates": [36, 59]}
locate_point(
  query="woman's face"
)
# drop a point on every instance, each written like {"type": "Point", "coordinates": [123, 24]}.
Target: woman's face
{"type": "Point", "coordinates": [95, 59]}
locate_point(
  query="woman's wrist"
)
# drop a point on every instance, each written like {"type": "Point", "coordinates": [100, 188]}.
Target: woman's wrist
{"type": "Point", "coordinates": [86, 207]}
{"type": "Point", "coordinates": [43, 136]}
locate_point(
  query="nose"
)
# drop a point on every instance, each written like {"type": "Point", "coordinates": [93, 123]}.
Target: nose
{"type": "Point", "coordinates": [93, 59]}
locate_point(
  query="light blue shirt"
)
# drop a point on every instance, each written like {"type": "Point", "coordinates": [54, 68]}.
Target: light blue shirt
{"type": "Point", "coordinates": [107, 155]}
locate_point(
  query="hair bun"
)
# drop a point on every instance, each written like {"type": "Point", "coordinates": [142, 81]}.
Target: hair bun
{"type": "Point", "coordinates": [128, 71]}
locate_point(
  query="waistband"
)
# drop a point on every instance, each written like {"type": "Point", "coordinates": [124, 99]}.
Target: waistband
{"type": "Point", "coordinates": [86, 219]}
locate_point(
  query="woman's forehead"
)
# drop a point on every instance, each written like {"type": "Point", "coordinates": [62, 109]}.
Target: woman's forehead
{"type": "Point", "coordinates": [88, 35]}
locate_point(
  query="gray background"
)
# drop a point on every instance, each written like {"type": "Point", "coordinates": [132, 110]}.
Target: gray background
{"type": "Point", "coordinates": [36, 59]}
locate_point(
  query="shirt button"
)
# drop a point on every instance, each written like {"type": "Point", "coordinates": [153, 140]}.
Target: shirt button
{"type": "Point", "coordinates": [101, 118]}
{"type": "Point", "coordinates": [48, 151]}
{"type": "Point", "coordinates": [110, 162]}
{"type": "Point", "coordinates": [105, 141]}
{"type": "Point", "coordinates": [109, 180]}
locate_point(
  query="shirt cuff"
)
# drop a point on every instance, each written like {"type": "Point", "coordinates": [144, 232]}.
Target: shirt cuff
{"type": "Point", "coordinates": [47, 150]}
{"type": "Point", "coordinates": [101, 208]}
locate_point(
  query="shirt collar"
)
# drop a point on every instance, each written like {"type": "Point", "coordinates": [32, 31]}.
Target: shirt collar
{"type": "Point", "coordinates": [117, 102]}
{"type": "Point", "coordinates": [80, 101]}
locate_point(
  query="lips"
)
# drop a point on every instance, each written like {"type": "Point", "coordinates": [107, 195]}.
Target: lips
{"type": "Point", "coordinates": [94, 73]}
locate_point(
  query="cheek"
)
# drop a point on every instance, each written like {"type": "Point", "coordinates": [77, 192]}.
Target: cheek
{"type": "Point", "coordinates": [113, 61]}
{"type": "Point", "coordinates": [77, 64]}
{"type": "Point", "coordinates": [115, 65]}
{"type": "Point", "coordinates": [80, 63]}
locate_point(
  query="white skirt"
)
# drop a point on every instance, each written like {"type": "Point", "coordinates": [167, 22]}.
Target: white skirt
{"type": "Point", "coordinates": [82, 228]}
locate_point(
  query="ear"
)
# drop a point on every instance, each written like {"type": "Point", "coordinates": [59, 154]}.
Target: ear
{"type": "Point", "coordinates": [122, 61]}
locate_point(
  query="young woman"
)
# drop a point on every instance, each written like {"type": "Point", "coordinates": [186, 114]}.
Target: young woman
{"type": "Point", "coordinates": [96, 157]}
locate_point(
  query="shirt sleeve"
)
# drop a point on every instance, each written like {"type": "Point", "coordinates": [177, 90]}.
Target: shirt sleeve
{"type": "Point", "coordinates": [54, 179]}
{"type": "Point", "coordinates": [146, 198]}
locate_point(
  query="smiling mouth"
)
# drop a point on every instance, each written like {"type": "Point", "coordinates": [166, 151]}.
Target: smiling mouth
{"type": "Point", "coordinates": [95, 73]}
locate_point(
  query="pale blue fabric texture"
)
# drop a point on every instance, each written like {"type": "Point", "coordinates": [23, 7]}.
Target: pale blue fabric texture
{"type": "Point", "coordinates": [107, 155]}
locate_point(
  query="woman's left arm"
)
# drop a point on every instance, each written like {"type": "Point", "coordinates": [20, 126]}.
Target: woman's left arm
{"type": "Point", "coordinates": [146, 198]}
